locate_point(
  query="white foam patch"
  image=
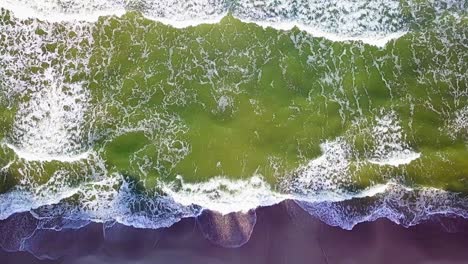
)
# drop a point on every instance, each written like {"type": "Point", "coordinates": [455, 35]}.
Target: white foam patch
{"type": "Point", "coordinates": [182, 14]}
{"type": "Point", "coordinates": [44, 157]}
{"type": "Point", "coordinates": [174, 12]}
{"type": "Point", "coordinates": [224, 195]}
{"type": "Point", "coordinates": [390, 146]}
{"type": "Point", "coordinates": [38, 69]}
{"type": "Point", "coordinates": [373, 22]}
{"type": "Point", "coordinates": [18, 201]}
{"type": "Point", "coordinates": [68, 10]}
{"type": "Point", "coordinates": [374, 40]}
{"type": "Point", "coordinates": [322, 179]}
{"type": "Point", "coordinates": [327, 177]}
{"type": "Point", "coordinates": [44, 130]}
{"type": "Point", "coordinates": [398, 159]}
{"type": "Point", "coordinates": [327, 173]}
{"type": "Point", "coordinates": [459, 123]}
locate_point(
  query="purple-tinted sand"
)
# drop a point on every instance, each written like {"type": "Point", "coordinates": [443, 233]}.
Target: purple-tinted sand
{"type": "Point", "coordinates": [283, 233]}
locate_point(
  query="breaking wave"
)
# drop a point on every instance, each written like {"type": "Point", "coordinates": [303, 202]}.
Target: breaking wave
{"type": "Point", "coordinates": [316, 188]}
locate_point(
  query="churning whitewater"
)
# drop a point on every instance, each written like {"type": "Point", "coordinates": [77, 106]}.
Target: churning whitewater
{"type": "Point", "coordinates": [110, 116]}
{"type": "Point", "coordinates": [374, 22]}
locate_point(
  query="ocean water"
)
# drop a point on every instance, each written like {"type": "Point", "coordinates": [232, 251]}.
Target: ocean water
{"type": "Point", "coordinates": [144, 112]}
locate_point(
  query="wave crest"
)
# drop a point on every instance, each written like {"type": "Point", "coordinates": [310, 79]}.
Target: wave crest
{"type": "Point", "coordinates": [373, 22]}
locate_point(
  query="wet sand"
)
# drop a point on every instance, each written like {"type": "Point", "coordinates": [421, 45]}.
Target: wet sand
{"type": "Point", "coordinates": [280, 234]}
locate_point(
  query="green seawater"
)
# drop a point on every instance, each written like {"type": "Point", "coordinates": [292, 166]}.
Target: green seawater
{"type": "Point", "coordinates": [234, 99]}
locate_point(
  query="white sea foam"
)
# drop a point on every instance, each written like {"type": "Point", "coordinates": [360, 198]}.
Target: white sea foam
{"type": "Point", "coordinates": [397, 159]}
{"type": "Point", "coordinates": [327, 173]}
{"type": "Point", "coordinates": [327, 177]}
{"type": "Point", "coordinates": [390, 146]}
{"type": "Point", "coordinates": [373, 22]}
{"type": "Point", "coordinates": [378, 40]}
{"type": "Point", "coordinates": [459, 123]}
{"type": "Point", "coordinates": [44, 157]}
{"type": "Point", "coordinates": [58, 11]}
{"type": "Point", "coordinates": [402, 205]}
{"type": "Point", "coordinates": [187, 23]}
{"type": "Point", "coordinates": [19, 201]}
{"type": "Point", "coordinates": [224, 195]}
{"type": "Point", "coordinates": [49, 121]}
{"type": "Point", "coordinates": [99, 202]}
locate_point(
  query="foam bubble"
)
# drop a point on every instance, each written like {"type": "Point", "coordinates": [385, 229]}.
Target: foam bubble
{"type": "Point", "coordinates": [390, 146]}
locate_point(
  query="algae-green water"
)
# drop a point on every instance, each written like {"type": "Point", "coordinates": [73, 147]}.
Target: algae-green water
{"type": "Point", "coordinates": [211, 114]}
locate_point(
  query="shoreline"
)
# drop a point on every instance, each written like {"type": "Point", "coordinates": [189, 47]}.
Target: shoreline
{"type": "Point", "coordinates": [282, 233]}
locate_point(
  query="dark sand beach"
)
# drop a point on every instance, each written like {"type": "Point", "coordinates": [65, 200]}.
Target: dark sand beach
{"type": "Point", "coordinates": [282, 233]}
